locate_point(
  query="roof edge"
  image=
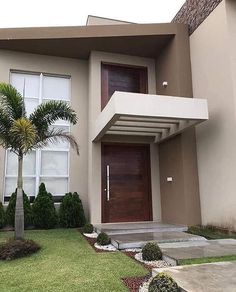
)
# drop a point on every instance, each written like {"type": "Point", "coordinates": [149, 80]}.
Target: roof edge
{"type": "Point", "coordinates": [66, 32]}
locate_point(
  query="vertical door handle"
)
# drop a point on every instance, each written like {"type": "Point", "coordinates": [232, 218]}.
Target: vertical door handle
{"type": "Point", "coordinates": [108, 183]}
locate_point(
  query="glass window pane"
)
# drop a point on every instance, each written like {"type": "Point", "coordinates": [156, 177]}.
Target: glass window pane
{"type": "Point", "coordinates": [54, 163]}
{"type": "Point", "coordinates": [56, 186]}
{"type": "Point", "coordinates": [29, 163]}
{"type": "Point", "coordinates": [57, 88]}
{"type": "Point", "coordinates": [29, 81]}
{"type": "Point", "coordinates": [60, 121]}
{"type": "Point", "coordinates": [61, 144]}
{"type": "Point", "coordinates": [30, 105]}
{"type": "Point", "coordinates": [28, 186]}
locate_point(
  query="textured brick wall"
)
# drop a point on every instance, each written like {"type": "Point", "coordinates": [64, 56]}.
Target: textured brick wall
{"type": "Point", "coordinates": [194, 12]}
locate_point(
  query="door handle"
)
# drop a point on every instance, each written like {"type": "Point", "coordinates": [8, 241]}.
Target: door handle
{"type": "Point", "coordinates": [108, 183]}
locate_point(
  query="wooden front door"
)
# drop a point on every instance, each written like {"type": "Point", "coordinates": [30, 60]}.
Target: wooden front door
{"type": "Point", "coordinates": [126, 188]}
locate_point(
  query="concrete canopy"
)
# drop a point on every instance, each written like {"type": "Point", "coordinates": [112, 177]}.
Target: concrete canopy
{"type": "Point", "coordinates": [156, 116]}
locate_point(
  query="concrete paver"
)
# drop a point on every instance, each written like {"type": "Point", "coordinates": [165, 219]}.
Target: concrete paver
{"type": "Point", "coordinates": [137, 240]}
{"type": "Point", "coordinates": [199, 249]}
{"type": "Point", "coordinates": [213, 277]}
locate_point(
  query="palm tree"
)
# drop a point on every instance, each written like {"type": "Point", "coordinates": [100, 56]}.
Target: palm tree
{"type": "Point", "coordinates": [22, 134]}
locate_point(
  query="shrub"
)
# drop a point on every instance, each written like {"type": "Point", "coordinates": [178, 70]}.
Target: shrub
{"type": "Point", "coordinates": [151, 252]}
{"type": "Point", "coordinates": [88, 228]}
{"type": "Point", "coordinates": [2, 216]}
{"type": "Point", "coordinates": [163, 282]}
{"type": "Point", "coordinates": [44, 213]}
{"type": "Point", "coordinates": [71, 212]}
{"type": "Point", "coordinates": [14, 249]}
{"type": "Point", "coordinates": [10, 212]}
{"type": "Point", "coordinates": [103, 239]}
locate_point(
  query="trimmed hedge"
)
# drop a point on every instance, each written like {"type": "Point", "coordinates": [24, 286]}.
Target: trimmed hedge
{"type": "Point", "coordinates": [71, 212]}
{"type": "Point", "coordinates": [10, 212]}
{"type": "Point", "coordinates": [14, 249]}
{"type": "Point", "coordinates": [44, 213]}
{"type": "Point", "coordinates": [151, 252]}
{"type": "Point", "coordinates": [2, 216]}
{"type": "Point", "coordinates": [103, 239]}
{"type": "Point", "coordinates": [163, 283]}
{"type": "Point", "coordinates": [88, 228]}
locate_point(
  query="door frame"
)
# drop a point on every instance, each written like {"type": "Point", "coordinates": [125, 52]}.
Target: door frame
{"type": "Point", "coordinates": [103, 174]}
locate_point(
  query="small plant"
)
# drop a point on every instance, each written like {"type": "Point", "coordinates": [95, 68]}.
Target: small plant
{"type": "Point", "coordinates": [163, 283]}
{"type": "Point", "coordinates": [71, 212]}
{"type": "Point", "coordinates": [151, 252]}
{"type": "Point", "coordinates": [2, 216]}
{"type": "Point", "coordinates": [10, 212]}
{"type": "Point", "coordinates": [14, 249]}
{"type": "Point", "coordinates": [103, 239]}
{"type": "Point", "coordinates": [88, 228]}
{"type": "Point", "coordinates": [44, 213]}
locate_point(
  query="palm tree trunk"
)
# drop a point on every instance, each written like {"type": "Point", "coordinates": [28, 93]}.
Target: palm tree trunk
{"type": "Point", "coordinates": [19, 212]}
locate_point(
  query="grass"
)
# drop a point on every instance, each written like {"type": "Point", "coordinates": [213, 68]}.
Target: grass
{"type": "Point", "coordinates": [207, 260]}
{"type": "Point", "coordinates": [66, 262]}
{"type": "Point", "coordinates": [210, 232]}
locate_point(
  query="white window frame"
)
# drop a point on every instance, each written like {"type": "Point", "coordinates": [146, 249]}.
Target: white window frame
{"type": "Point", "coordinates": [38, 176]}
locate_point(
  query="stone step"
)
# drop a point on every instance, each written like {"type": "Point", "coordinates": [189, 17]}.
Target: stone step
{"type": "Point", "coordinates": [137, 227]}
{"type": "Point", "coordinates": [138, 240]}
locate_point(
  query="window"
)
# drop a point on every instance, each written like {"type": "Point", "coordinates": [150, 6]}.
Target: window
{"type": "Point", "coordinates": [122, 78]}
{"type": "Point", "coordinates": [49, 165]}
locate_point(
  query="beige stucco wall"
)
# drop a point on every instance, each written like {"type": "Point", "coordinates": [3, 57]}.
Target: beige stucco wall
{"type": "Point", "coordinates": [94, 171]}
{"type": "Point", "coordinates": [78, 70]}
{"type": "Point", "coordinates": [212, 48]}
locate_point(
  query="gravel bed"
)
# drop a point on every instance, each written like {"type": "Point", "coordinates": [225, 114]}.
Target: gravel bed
{"type": "Point", "coordinates": [91, 235]}
{"type": "Point", "coordinates": [134, 283]}
{"type": "Point", "coordinates": [144, 286]}
{"type": "Point", "coordinates": [155, 264]}
{"type": "Point", "coordinates": [108, 247]}
{"type": "Point", "coordinates": [133, 250]}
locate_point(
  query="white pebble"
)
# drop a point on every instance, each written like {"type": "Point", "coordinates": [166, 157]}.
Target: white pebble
{"type": "Point", "coordinates": [108, 247]}
{"type": "Point", "coordinates": [91, 235]}
{"type": "Point", "coordinates": [156, 264]}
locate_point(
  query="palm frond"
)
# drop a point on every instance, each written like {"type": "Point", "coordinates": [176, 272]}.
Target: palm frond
{"type": "Point", "coordinates": [12, 101]}
{"type": "Point", "coordinates": [5, 126]}
{"type": "Point", "coordinates": [56, 135]}
{"type": "Point", "coordinates": [24, 135]}
{"type": "Point", "coordinates": [49, 112]}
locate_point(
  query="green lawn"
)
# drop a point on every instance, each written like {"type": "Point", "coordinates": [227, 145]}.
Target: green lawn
{"type": "Point", "coordinates": [210, 232]}
{"type": "Point", "coordinates": [66, 263]}
{"type": "Point", "coordinates": [207, 260]}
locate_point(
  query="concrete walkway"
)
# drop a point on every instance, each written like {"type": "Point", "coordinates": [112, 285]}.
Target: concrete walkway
{"type": "Point", "coordinates": [137, 234]}
{"type": "Point", "coordinates": [199, 249]}
{"type": "Point", "coordinates": [215, 277]}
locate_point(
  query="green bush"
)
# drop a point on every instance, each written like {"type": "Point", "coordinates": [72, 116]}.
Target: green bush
{"type": "Point", "coordinates": [88, 228]}
{"type": "Point", "coordinates": [10, 212]}
{"type": "Point", "coordinates": [2, 216]}
{"type": "Point", "coordinates": [103, 239]}
{"type": "Point", "coordinates": [71, 212]}
{"type": "Point", "coordinates": [44, 213]}
{"type": "Point", "coordinates": [151, 252]}
{"type": "Point", "coordinates": [14, 249]}
{"type": "Point", "coordinates": [163, 283]}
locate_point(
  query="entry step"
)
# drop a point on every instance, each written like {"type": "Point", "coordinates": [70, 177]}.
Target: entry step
{"type": "Point", "coordinates": [138, 227]}
{"type": "Point", "coordinates": [138, 240]}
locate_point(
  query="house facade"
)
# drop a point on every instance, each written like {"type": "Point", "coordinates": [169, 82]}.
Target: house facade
{"type": "Point", "coordinates": [147, 149]}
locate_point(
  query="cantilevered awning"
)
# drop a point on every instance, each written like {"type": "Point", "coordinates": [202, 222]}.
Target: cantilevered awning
{"type": "Point", "coordinates": [156, 116]}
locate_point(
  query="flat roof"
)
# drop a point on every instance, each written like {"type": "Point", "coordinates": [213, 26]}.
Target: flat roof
{"type": "Point", "coordinates": [144, 40]}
